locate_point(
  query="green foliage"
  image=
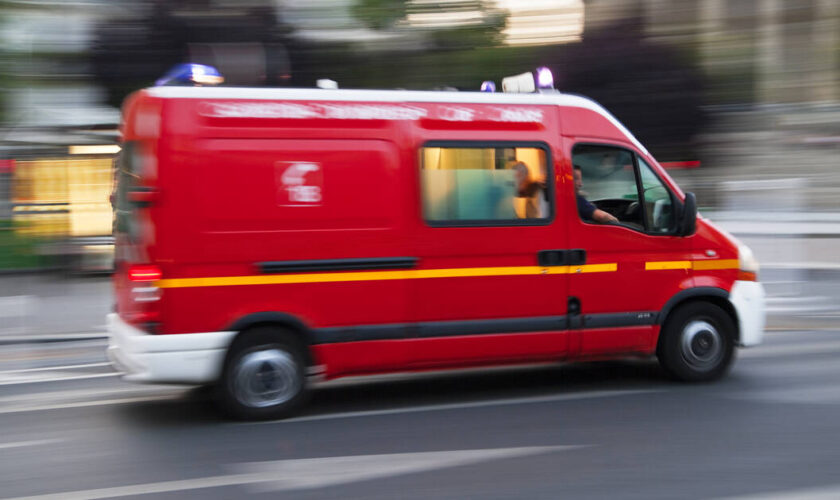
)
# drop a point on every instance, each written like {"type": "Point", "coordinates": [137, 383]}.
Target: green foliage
{"type": "Point", "coordinates": [17, 251]}
{"type": "Point", "coordinates": [379, 14]}
{"type": "Point", "coordinates": [486, 34]}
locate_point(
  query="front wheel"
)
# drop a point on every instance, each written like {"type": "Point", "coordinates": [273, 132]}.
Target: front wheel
{"type": "Point", "coordinates": [264, 376]}
{"type": "Point", "coordinates": [697, 342]}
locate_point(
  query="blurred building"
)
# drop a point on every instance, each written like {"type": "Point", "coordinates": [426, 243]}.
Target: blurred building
{"type": "Point", "coordinates": [764, 51]}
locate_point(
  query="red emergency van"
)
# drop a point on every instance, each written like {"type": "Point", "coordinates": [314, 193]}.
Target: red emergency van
{"type": "Point", "coordinates": [266, 236]}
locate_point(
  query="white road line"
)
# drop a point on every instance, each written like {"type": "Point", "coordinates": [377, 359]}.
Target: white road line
{"type": "Point", "coordinates": [30, 379]}
{"type": "Point", "coordinates": [827, 394]}
{"type": "Point", "coordinates": [796, 368]}
{"type": "Point", "coordinates": [85, 393]}
{"type": "Point", "coordinates": [773, 351]}
{"type": "Point", "coordinates": [56, 368]}
{"type": "Point", "coordinates": [457, 406]}
{"type": "Point", "coordinates": [23, 444]}
{"type": "Point", "coordinates": [82, 404]}
{"type": "Point", "coordinates": [312, 473]}
{"type": "Point", "coordinates": [829, 493]}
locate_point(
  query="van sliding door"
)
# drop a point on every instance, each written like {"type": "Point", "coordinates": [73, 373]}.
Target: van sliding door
{"type": "Point", "coordinates": [490, 284]}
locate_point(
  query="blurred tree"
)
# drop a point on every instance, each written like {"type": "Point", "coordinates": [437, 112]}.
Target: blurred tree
{"type": "Point", "coordinates": [462, 24]}
{"type": "Point", "coordinates": [485, 29]}
{"type": "Point", "coordinates": [379, 14]}
{"type": "Point", "coordinates": [656, 91]}
{"type": "Point", "coordinates": [246, 43]}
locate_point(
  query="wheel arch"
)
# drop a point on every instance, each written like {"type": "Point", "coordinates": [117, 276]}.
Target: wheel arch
{"type": "Point", "coordinates": [288, 323]}
{"type": "Point", "coordinates": [713, 295]}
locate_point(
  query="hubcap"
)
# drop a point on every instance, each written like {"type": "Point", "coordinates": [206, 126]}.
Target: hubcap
{"type": "Point", "coordinates": [266, 378]}
{"type": "Point", "coordinates": [702, 345]}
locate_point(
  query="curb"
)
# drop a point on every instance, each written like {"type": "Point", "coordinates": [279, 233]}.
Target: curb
{"type": "Point", "coordinates": [43, 339]}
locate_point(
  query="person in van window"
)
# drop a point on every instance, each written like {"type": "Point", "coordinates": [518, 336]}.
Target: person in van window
{"type": "Point", "coordinates": [587, 210]}
{"type": "Point", "coordinates": [536, 205]}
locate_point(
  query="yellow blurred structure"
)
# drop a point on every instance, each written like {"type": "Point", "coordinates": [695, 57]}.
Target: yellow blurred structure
{"type": "Point", "coordinates": [63, 197]}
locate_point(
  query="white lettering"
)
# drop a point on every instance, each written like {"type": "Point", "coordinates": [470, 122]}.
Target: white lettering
{"type": "Point", "coordinates": [456, 114]}
{"type": "Point", "coordinates": [304, 194]}
{"type": "Point", "coordinates": [520, 115]}
{"type": "Point", "coordinates": [261, 110]}
{"type": "Point", "coordinates": [372, 112]}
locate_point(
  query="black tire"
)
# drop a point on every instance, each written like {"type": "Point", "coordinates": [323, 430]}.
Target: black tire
{"type": "Point", "coordinates": [264, 376]}
{"type": "Point", "coordinates": [697, 342]}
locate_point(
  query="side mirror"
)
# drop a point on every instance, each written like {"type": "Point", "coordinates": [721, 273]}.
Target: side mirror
{"type": "Point", "coordinates": [688, 221]}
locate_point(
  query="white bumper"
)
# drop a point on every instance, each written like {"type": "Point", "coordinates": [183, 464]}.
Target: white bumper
{"type": "Point", "coordinates": [748, 299]}
{"type": "Point", "coordinates": [187, 358]}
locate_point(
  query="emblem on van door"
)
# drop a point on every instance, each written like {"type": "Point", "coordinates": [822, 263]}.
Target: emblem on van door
{"type": "Point", "coordinates": [299, 184]}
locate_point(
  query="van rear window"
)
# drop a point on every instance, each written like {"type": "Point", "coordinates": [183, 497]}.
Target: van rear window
{"type": "Point", "coordinates": [493, 184]}
{"type": "Point", "coordinates": [126, 176]}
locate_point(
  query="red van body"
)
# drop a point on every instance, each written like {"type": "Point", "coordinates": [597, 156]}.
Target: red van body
{"type": "Point", "coordinates": [264, 235]}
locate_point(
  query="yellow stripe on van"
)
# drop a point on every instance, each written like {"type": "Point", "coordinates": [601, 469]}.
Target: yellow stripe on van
{"type": "Point", "coordinates": [707, 265]}
{"type": "Point", "coordinates": [674, 264]}
{"type": "Point", "coordinates": [336, 277]}
{"type": "Point", "coordinates": [697, 265]}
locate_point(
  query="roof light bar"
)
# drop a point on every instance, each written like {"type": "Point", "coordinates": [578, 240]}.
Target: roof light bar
{"type": "Point", "coordinates": [191, 74]}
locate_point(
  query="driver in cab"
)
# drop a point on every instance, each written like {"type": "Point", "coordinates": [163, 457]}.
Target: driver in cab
{"type": "Point", "coordinates": [587, 210]}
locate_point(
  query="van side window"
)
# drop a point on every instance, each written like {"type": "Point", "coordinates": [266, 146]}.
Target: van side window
{"type": "Point", "coordinates": [659, 208]}
{"type": "Point", "coordinates": [491, 184]}
{"type": "Point", "coordinates": [607, 180]}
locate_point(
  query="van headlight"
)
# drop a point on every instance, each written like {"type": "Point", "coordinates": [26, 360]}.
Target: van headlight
{"type": "Point", "coordinates": [747, 264]}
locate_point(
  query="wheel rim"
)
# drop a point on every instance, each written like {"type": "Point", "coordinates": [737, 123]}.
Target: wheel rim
{"type": "Point", "coordinates": [702, 344]}
{"type": "Point", "coordinates": [266, 378]}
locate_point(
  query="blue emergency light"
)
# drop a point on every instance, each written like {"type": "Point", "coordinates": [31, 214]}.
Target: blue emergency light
{"type": "Point", "coordinates": [191, 74]}
{"type": "Point", "coordinates": [488, 86]}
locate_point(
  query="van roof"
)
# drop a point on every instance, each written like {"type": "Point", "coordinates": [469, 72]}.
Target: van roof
{"type": "Point", "coordinates": [401, 96]}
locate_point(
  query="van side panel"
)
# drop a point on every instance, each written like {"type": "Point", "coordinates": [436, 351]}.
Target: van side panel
{"type": "Point", "coordinates": [245, 225]}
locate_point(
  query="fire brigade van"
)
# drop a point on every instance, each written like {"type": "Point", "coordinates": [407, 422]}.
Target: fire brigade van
{"type": "Point", "coordinates": [269, 238]}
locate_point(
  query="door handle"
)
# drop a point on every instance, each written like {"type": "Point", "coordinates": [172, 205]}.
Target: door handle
{"type": "Point", "coordinates": [577, 257]}
{"type": "Point", "coordinates": [574, 257]}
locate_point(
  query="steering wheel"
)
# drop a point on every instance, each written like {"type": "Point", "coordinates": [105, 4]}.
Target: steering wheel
{"type": "Point", "coordinates": [632, 210]}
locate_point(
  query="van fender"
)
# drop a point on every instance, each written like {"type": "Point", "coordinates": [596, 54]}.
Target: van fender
{"type": "Point", "coordinates": [718, 296]}
{"type": "Point", "coordinates": [283, 320]}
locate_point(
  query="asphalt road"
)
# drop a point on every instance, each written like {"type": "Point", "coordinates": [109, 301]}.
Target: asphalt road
{"type": "Point", "coordinates": [71, 429]}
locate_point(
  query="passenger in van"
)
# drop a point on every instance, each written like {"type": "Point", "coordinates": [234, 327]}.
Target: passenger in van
{"type": "Point", "coordinates": [587, 210]}
{"type": "Point", "coordinates": [536, 203]}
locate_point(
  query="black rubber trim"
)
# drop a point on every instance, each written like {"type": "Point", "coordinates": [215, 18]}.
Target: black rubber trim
{"type": "Point", "coordinates": [691, 293]}
{"type": "Point", "coordinates": [614, 320]}
{"type": "Point", "coordinates": [437, 329]}
{"type": "Point", "coordinates": [491, 326]}
{"type": "Point", "coordinates": [287, 266]}
{"type": "Point", "coordinates": [250, 320]}
{"type": "Point", "coordinates": [363, 333]}
{"type": "Point", "coordinates": [442, 329]}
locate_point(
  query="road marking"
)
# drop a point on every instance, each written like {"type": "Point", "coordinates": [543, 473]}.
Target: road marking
{"type": "Point", "coordinates": [37, 378]}
{"type": "Point", "coordinates": [23, 444]}
{"type": "Point", "coordinates": [315, 473]}
{"type": "Point", "coordinates": [827, 394]}
{"type": "Point", "coordinates": [798, 368]}
{"type": "Point", "coordinates": [84, 393]}
{"type": "Point", "coordinates": [56, 368]}
{"type": "Point", "coordinates": [456, 406]}
{"type": "Point", "coordinates": [829, 493]}
{"type": "Point", "coordinates": [82, 404]}
{"type": "Point", "coordinates": [312, 473]}
{"type": "Point", "coordinates": [772, 351]}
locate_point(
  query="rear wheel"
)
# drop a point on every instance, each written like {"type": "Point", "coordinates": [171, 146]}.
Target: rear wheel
{"type": "Point", "coordinates": [697, 342]}
{"type": "Point", "coordinates": [264, 375]}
